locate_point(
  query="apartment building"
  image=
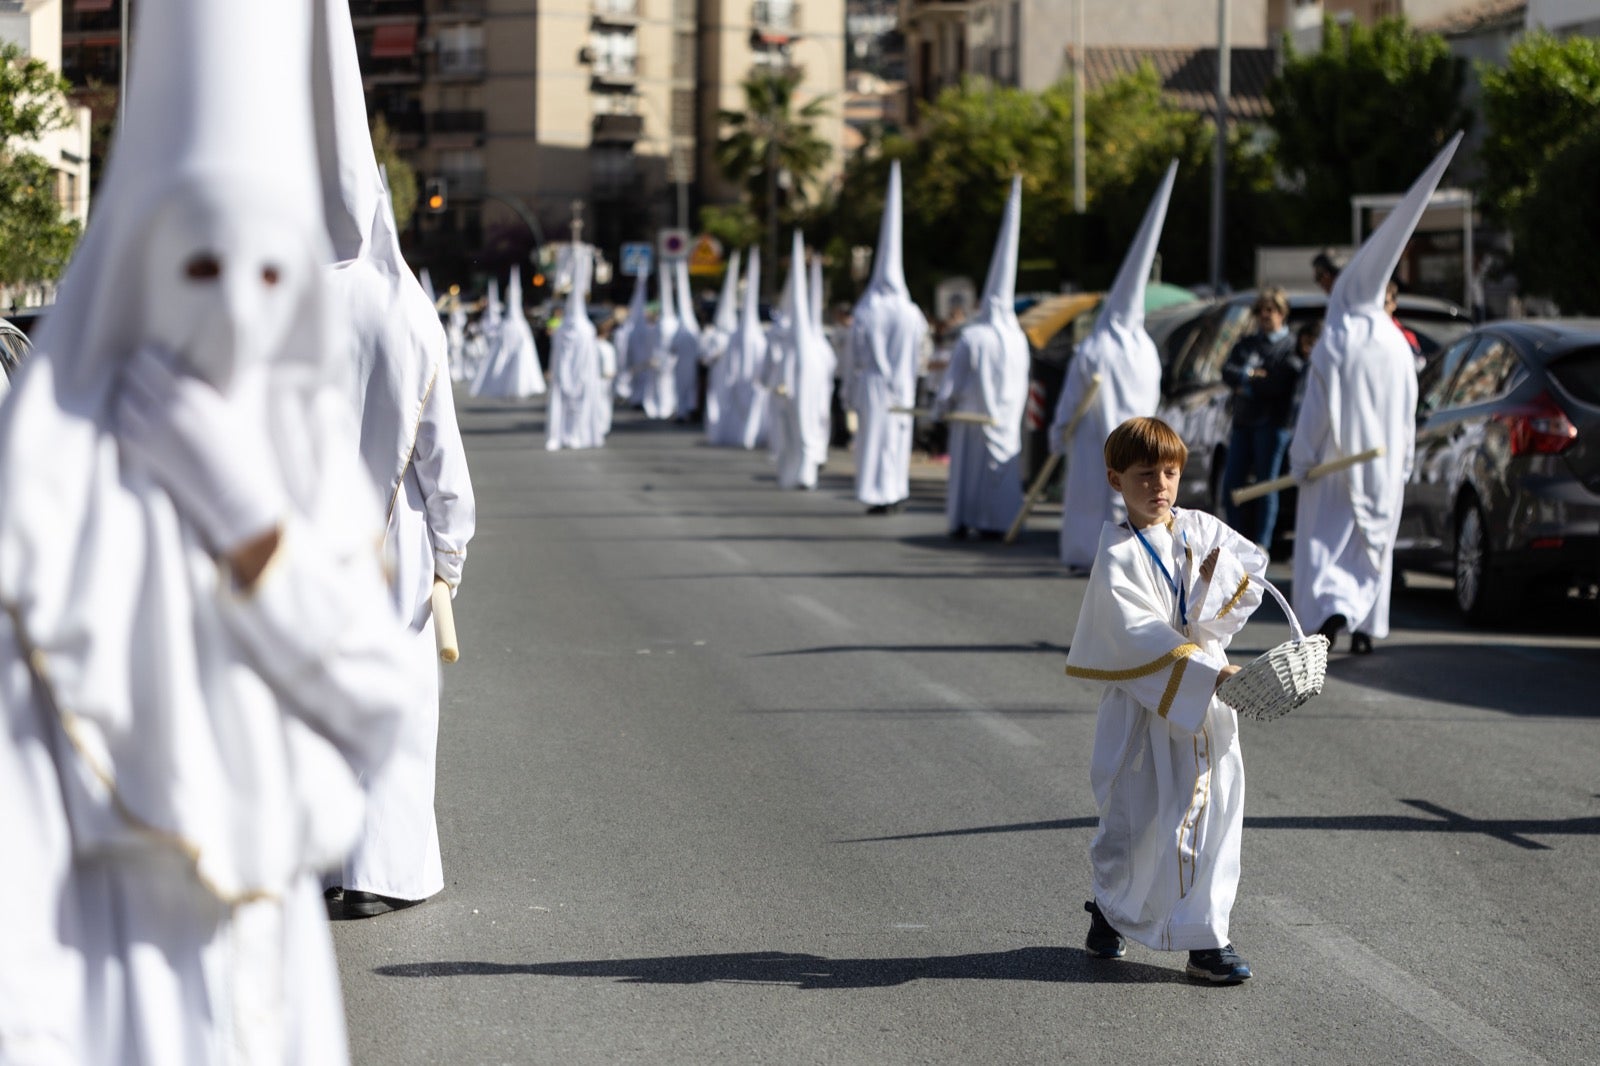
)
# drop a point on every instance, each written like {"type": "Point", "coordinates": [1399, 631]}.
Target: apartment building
{"type": "Point", "coordinates": [528, 111]}
{"type": "Point", "coordinates": [35, 26]}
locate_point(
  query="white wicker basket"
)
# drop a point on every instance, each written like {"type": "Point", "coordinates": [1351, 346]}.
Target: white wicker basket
{"type": "Point", "coordinates": [1283, 678]}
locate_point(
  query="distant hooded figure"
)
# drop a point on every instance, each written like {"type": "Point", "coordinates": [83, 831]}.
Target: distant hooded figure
{"type": "Point", "coordinates": [411, 446]}
{"type": "Point", "coordinates": [887, 332]}
{"type": "Point", "coordinates": [456, 340]}
{"type": "Point", "coordinates": [651, 354]}
{"type": "Point", "coordinates": [1361, 393]}
{"type": "Point", "coordinates": [799, 380]}
{"type": "Point", "coordinates": [747, 355]}
{"type": "Point", "coordinates": [199, 661]}
{"type": "Point", "coordinates": [622, 339]}
{"type": "Point", "coordinates": [511, 370]}
{"type": "Point", "coordinates": [713, 345]}
{"type": "Point", "coordinates": [988, 375]}
{"type": "Point", "coordinates": [1124, 357]}
{"type": "Point", "coordinates": [575, 382]}
{"type": "Point", "coordinates": [686, 346]}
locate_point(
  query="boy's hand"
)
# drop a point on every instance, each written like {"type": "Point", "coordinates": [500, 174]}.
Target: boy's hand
{"type": "Point", "coordinates": [1210, 565]}
{"type": "Point", "coordinates": [1225, 673]}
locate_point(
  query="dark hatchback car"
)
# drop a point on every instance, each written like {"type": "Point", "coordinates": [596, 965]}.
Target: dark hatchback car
{"type": "Point", "coordinates": [1197, 403]}
{"type": "Point", "coordinates": [1505, 491]}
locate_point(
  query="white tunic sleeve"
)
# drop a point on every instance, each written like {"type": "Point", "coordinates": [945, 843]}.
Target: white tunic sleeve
{"type": "Point", "coordinates": [440, 463]}
{"type": "Point", "coordinates": [318, 627]}
{"type": "Point", "coordinates": [1126, 638]}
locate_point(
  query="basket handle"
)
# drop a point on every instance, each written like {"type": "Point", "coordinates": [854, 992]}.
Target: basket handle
{"type": "Point", "coordinates": [1295, 632]}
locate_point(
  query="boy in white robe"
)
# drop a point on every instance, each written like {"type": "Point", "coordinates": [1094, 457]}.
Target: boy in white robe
{"type": "Point", "coordinates": [1167, 592]}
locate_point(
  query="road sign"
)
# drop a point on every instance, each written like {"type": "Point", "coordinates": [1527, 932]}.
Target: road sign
{"type": "Point", "coordinates": [674, 243]}
{"type": "Point", "coordinates": [637, 258]}
{"type": "Point", "coordinates": [706, 256]}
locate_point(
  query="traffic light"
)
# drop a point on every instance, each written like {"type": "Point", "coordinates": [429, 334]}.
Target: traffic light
{"type": "Point", "coordinates": [434, 197]}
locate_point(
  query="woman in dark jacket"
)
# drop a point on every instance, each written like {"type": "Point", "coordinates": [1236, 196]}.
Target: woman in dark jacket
{"type": "Point", "coordinates": [1263, 370]}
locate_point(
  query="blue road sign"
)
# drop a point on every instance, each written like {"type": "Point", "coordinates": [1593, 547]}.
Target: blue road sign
{"type": "Point", "coordinates": [637, 258]}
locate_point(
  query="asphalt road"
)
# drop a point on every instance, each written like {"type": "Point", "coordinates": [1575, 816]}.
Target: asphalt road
{"type": "Point", "coordinates": [734, 775]}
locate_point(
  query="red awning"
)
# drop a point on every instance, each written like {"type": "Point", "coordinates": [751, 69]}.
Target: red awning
{"type": "Point", "coordinates": [775, 38]}
{"type": "Point", "coordinates": [394, 41]}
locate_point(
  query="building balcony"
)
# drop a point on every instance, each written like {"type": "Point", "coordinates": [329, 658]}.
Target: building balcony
{"type": "Point", "coordinates": [616, 12]}
{"type": "Point", "coordinates": [775, 16]}
{"type": "Point", "coordinates": [460, 63]}
{"type": "Point", "coordinates": [624, 129]}
{"type": "Point", "coordinates": [615, 71]}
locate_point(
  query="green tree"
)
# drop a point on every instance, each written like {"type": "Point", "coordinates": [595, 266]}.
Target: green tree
{"type": "Point", "coordinates": [1365, 114]}
{"type": "Point", "coordinates": [973, 138]}
{"type": "Point", "coordinates": [772, 149]}
{"type": "Point", "coordinates": [35, 239]}
{"type": "Point", "coordinates": [1557, 223]}
{"type": "Point", "coordinates": [402, 178]}
{"type": "Point", "coordinates": [735, 225]}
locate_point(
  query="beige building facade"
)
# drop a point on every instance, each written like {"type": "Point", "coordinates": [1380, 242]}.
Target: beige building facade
{"type": "Point", "coordinates": [525, 113]}
{"type": "Point", "coordinates": [35, 26]}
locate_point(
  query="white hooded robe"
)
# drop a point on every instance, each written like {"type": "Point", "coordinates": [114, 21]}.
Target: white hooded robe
{"type": "Point", "coordinates": [1120, 351]}
{"type": "Point", "coordinates": [576, 387]}
{"type": "Point", "coordinates": [887, 332]}
{"type": "Point", "coordinates": [988, 375]}
{"type": "Point", "coordinates": [1361, 393]}
{"type": "Point", "coordinates": [511, 371]}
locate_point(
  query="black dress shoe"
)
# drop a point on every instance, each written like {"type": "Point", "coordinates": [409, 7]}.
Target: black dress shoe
{"type": "Point", "coordinates": [1103, 941]}
{"type": "Point", "coordinates": [958, 533]}
{"type": "Point", "coordinates": [1360, 644]}
{"type": "Point", "coordinates": [1332, 626]}
{"type": "Point", "coordinates": [991, 534]}
{"type": "Point", "coordinates": [356, 904]}
{"type": "Point", "coordinates": [878, 508]}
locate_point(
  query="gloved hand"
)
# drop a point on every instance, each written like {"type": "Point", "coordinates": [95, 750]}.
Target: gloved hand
{"type": "Point", "coordinates": [218, 468]}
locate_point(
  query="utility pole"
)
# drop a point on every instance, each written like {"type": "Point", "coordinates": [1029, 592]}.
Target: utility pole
{"type": "Point", "coordinates": [1079, 182]}
{"type": "Point", "coordinates": [1219, 163]}
{"type": "Point", "coordinates": [122, 67]}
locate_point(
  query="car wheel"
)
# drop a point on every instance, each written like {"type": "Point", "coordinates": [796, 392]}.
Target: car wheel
{"type": "Point", "coordinates": [1480, 592]}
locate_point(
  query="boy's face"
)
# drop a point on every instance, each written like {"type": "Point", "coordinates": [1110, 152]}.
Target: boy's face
{"type": "Point", "coordinates": [1148, 490]}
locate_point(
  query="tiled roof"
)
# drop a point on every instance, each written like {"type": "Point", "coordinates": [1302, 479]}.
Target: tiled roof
{"type": "Point", "coordinates": [1189, 76]}
{"type": "Point", "coordinates": [1486, 14]}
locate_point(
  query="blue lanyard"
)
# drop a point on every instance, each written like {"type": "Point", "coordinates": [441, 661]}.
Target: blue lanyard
{"type": "Point", "coordinates": [1177, 589]}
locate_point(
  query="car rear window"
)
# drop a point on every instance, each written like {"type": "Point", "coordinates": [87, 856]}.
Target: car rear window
{"type": "Point", "coordinates": [1579, 374]}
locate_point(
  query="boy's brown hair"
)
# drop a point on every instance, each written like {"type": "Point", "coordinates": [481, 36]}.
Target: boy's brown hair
{"type": "Point", "coordinates": [1144, 442]}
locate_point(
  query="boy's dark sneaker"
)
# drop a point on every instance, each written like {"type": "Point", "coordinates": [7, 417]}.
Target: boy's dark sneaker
{"type": "Point", "coordinates": [1103, 942]}
{"type": "Point", "coordinates": [1218, 966]}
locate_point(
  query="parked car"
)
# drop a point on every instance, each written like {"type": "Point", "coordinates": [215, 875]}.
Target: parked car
{"type": "Point", "coordinates": [13, 347]}
{"type": "Point", "coordinates": [1199, 405]}
{"type": "Point", "coordinates": [1505, 491]}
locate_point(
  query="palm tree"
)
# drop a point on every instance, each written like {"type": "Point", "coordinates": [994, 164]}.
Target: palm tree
{"type": "Point", "coordinates": [772, 149]}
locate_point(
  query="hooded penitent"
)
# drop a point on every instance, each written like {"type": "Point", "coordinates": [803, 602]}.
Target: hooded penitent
{"type": "Point", "coordinates": [988, 376]}
{"type": "Point", "coordinates": [1124, 357]}
{"type": "Point", "coordinates": [200, 744]}
{"type": "Point", "coordinates": [1360, 393]}
{"type": "Point", "coordinates": [686, 346]}
{"type": "Point", "coordinates": [747, 357]}
{"type": "Point", "coordinates": [410, 445]}
{"type": "Point", "coordinates": [800, 379]}
{"type": "Point", "coordinates": [511, 371]}
{"type": "Point", "coordinates": [575, 386]}
{"type": "Point", "coordinates": [622, 339]}
{"type": "Point", "coordinates": [713, 343]}
{"type": "Point", "coordinates": [652, 353]}
{"type": "Point", "coordinates": [886, 336]}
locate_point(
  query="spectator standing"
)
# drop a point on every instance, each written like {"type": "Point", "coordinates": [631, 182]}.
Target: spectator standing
{"type": "Point", "coordinates": [1264, 371]}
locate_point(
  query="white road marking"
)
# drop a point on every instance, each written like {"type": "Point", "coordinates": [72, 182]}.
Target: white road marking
{"type": "Point", "coordinates": [829, 616]}
{"type": "Point", "coordinates": [1477, 1039]}
{"type": "Point", "coordinates": [996, 723]}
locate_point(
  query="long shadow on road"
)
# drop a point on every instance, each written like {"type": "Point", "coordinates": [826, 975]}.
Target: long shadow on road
{"type": "Point", "coordinates": [1515, 831]}
{"type": "Point", "coordinates": [803, 971]}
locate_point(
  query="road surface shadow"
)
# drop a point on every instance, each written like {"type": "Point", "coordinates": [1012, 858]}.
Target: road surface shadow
{"type": "Point", "coordinates": [803, 971]}
{"type": "Point", "coordinates": [916, 649]}
{"type": "Point", "coordinates": [1435, 819]}
{"type": "Point", "coordinates": [1517, 679]}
